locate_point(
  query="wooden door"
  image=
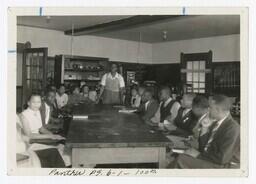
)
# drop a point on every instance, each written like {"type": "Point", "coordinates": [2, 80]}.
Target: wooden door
{"type": "Point", "coordinates": [34, 71]}
{"type": "Point", "coordinates": [196, 72]}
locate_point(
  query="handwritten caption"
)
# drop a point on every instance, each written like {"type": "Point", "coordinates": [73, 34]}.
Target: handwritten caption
{"type": "Point", "coordinates": [102, 172]}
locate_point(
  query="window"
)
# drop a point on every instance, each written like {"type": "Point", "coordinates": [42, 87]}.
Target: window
{"type": "Point", "coordinates": [195, 76]}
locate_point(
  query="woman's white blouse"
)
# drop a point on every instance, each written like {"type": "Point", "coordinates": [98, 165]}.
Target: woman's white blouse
{"type": "Point", "coordinates": [34, 120]}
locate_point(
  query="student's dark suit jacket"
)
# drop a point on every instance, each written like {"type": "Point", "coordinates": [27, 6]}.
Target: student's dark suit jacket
{"type": "Point", "coordinates": [184, 124]}
{"type": "Point", "coordinates": [225, 146]}
{"type": "Point", "coordinates": [151, 110]}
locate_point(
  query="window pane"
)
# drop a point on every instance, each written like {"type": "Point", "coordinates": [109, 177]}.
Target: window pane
{"type": "Point", "coordinates": [195, 85]}
{"type": "Point", "coordinates": [201, 85]}
{"type": "Point", "coordinates": [202, 65]}
{"type": "Point", "coordinates": [195, 76]}
{"type": "Point", "coordinates": [196, 65]}
{"type": "Point", "coordinates": [189, 65]}
{"type": "Point", "coordinates": [202, 77]}
{"type": "Point", "coordinates": [201, 91]}
{"type": "Point", "coordinates": [28, 59]}
{"type": "Point", "coordinates": [196, 91]}
{"type": "Point", "coordinates": [189, 76]}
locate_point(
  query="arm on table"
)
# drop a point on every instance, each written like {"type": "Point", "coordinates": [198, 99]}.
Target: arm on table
{"type": "Point", "coordinates": [174, 112]}
{"type": "Point", "coordinates": [45, 136]}
{"type": "Point", "coordinates": [30, 135]}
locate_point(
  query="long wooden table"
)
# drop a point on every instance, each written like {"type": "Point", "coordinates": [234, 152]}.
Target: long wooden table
{"type": "Point", "coordinates": [109, 137]}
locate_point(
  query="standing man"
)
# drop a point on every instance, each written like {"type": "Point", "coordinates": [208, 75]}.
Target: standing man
{"type": "Point", "coordinates": [112, 87]}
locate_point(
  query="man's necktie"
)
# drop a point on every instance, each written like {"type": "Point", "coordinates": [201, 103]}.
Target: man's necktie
{"type": "Point", "coordinates": [213, 130]}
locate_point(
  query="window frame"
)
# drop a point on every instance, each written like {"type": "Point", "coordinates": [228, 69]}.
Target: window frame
{"type": "Point", "coordinates": [192, 57]}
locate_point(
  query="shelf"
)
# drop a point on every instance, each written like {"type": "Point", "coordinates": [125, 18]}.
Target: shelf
{"type": "Point", "coordinates": [37, 66]}
{"type": "Point", "coordinates": [39, 80]}
{"type": "Point", "coordinates": [83, 70]}
{"type": "Point", "coordinates": [86, 80]}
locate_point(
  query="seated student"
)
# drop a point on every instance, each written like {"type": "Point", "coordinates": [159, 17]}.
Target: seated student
{"type": "Point", "coordinates": [50, 100]}
{"type": "Point", "coordinates": [150, 106]}
{"type": "Point", "coordinates": [168, 109]}
{"type": "Point", "coordinates": [33, 126]}
{"type": "Point", "coordinates": [200, 109]}
{"type": "Point", "coordinates": [222, 149]}
{"type": "Point", "coordinates": [135, 99]}
{"type": "Point", "coordinates": [49, 112]}
{"type": "Point", "coordinates": [85, 91]}
{"type": "Point", "coordinates": [141, 91]}
{"type": "Point", "coordinates": [28, 157]}
{"type": "Point", "coordinates": [61, 96]}
{"type": "Point", "coordinates": [93, 96]}
{"type": "Point", "coordinates": [86, 95]}
{"type": "Point", "coordinates": [185, 120]}
{"type": "Point", "coordinates": [75, 96]}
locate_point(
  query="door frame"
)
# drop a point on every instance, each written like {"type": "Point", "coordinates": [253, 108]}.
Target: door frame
{"type": "Point", "coordinates": [24, 72]}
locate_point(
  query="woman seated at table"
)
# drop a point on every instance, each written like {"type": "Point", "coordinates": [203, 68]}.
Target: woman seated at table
{"type": "Point", "coordinates": [86, 94]}
{"type": "Point", "coordinates": [75, 96]}
{"type": "Point", "coordinates": [34, 155]}
{"type": "Point", "coordinates": [33, 126]}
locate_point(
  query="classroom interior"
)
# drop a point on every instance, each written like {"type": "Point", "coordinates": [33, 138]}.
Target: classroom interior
{"type": "Point", "coordinates": [195, 54]}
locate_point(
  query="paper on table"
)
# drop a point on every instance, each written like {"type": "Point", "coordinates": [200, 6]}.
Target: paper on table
{"type": "Point", "coordinates": [175, 150]}
{"type": "Point", "coordinates": [80, 117]}
{"type": "Point", "coordinates": [127, 110]}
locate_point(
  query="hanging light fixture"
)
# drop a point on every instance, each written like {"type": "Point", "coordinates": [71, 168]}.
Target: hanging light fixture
{"type": "Point", "coordinates": [165, 35]}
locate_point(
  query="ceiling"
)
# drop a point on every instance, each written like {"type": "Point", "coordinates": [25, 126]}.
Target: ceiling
{"type": "Point", "coordinates": [176, 28]}
{"type": "Point", "coordinates": [63, 23]}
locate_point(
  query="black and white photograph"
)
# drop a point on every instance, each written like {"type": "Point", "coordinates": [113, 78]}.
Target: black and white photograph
{"type": "Point", "coordinates": [143, 92]}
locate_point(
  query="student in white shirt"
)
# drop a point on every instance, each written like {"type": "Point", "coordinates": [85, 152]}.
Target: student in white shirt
{"type": "Point", "coordinates": [61, 97]}
{"type": "Point", "coordinates": [33, 126]}
{"type": "Point", "coordinates": [135, 99]}
{"type": "Point", "coordinates": [35, 155]}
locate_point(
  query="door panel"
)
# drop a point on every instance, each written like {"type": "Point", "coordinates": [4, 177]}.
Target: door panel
{"type": "Point", "coordinates": [34, 71]}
